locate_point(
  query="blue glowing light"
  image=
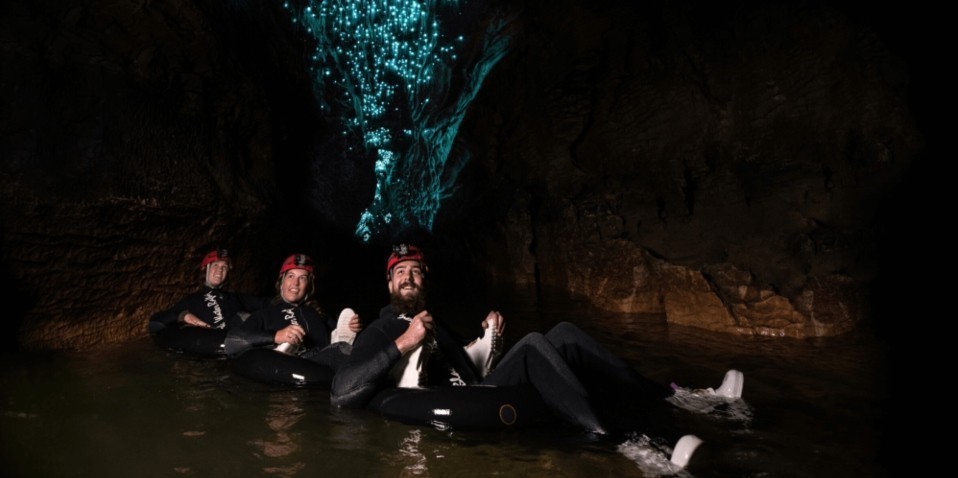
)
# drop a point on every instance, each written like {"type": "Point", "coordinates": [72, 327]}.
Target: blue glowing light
{"type": "Point", "coordinates": [389, 67]}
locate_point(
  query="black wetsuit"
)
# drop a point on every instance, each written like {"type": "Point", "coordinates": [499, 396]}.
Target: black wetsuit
{"type": "Point", "coordinates": [259, 330]}
{"type": "Point", "coordinates": [375, 354]}
{"type": "Point", "coordinates": [553, 363]}
{"type": "Point", "coordinates": [219, 308]}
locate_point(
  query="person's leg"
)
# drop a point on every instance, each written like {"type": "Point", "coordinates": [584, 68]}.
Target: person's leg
{"type": "Point", "coordinates": [533, 360]}
{"type": "Point", "coordinates": [588, 358]}
{"type": "Point", "coordinates": [624, 399]}
{"type": "Point", "coordinates": [333, 355]}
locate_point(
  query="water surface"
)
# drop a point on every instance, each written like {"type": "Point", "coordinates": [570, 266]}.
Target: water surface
{"type": "Point", "coordinates": [815, 408]}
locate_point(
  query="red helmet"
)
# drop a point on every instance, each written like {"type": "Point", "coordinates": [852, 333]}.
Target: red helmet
{"type": "Point", "coordinates": [213, 256]}
{"type": "Point", "coordinates": [297, 261]}
{"type": "Point", "coordinates": [405, 252]}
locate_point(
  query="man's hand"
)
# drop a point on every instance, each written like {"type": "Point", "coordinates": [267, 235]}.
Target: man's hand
{"type": "Point", "coordinates": [420, 327]}
{"type": "Point", "coordinates": [495, 319]}
{"type": "Point", "coordinates": [355, 324]}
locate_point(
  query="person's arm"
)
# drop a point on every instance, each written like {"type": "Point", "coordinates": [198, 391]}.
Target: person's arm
{"type": "Point", "coordinates": [367, 370]}
{"type": "Point", "coordinates": [247, 334]}
{"type": "Point", "coordinates": [166, 318]}
{"type": "Point", "coordinates": [251, 303]}
{"type": "Point", "coordinates": [171, 316]}
{"type": "Point", "coordinates": [241, 306]}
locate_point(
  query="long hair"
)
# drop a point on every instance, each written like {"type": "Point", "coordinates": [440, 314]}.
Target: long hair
{"type": "Point", "coordinates": [308, 299]}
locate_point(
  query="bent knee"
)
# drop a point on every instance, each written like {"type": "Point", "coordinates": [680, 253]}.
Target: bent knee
{"type": "Point", "coordinates": [533, 339]}
{"type": "Point", "coordinates": [565, 333]}
{"type": "Point", "coordinates": [565, 329]}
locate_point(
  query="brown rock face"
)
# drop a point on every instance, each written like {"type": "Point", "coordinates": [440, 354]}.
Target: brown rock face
{"type": "Point", "coordinates": [131, 135]}
{"type": "Point", "coordinates": [720, 166]}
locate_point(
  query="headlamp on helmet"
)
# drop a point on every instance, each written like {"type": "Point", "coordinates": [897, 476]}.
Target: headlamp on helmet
{"type": "Point", "coordinates": [297, 261]}
{"type": "Point", "coordinates": [405, 252]}
{"type": "Point", "coordinates": [214, 255]}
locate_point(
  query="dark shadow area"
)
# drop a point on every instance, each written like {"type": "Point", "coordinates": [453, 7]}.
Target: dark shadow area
{"type": "Point", "coordinates": [19, 301]}
{"type": "Point", "coordinates": [907, 235]}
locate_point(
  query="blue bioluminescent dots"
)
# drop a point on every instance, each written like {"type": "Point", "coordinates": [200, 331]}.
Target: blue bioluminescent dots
{"type": "Point", "coordinates": [389, 67]}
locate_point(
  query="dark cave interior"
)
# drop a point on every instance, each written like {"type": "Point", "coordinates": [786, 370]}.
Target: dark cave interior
{"type": "Point", "coordinates": [779, 148]}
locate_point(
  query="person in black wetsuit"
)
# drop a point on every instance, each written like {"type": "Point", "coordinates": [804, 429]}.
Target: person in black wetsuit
{"type": "Point", "coordinates": [213, 306]}
{"type": "Point", "coordinates": [564, 364]}
{"type": "Point", "coordinates": [295, 320]}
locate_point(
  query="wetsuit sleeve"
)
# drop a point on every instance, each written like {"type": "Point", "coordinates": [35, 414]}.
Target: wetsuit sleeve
{"type": "Point", "coordinates": [243, 306]}
{"type": "Point", "coordinates": [367, 370]}
{"type": "Point", "coordinates": [171, 316]}
{"type": "Point", "coordinates": [251, 303]}
{"type": "Point", "coordinates": [247, 334]}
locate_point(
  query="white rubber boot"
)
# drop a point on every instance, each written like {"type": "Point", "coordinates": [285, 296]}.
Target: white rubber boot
{"type": "Point", "coordinates": [486, 350]}
{"type": "Point", "coordinates": [342, 332]}
{"type": "Point", "coordinates": [684, 448]}
{"type": "Point", "coordinates": [732, 384]}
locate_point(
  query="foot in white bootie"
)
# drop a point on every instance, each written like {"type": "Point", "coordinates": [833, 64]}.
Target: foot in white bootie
{"type": "Point", "coordinates": [343, 333]}
{"type": "Point", "coordinates": [485, 351]}
{"type": "Point", "coordinates": [684, 449]}
{"type": "Point", "coordinates": [724, 402]}
{"type": "Point", "coordinates": [732, 384]}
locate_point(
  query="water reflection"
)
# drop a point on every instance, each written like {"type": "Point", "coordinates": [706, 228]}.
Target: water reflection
{"type": "Point", "coordinates": [197, 382]}
{"type": "Point", "coordinates": [284, 411]}
{"type": "Point", "coordinates": [414, 461]}
{"type": "Point", "coordinates": [815, 408]}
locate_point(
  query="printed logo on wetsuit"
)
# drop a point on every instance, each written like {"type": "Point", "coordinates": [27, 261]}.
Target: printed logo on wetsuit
{"type": "Point", "coordinates": [289, 315]}
{"type": "Point", "coordinates": [454, 379]}
{"type": "Point", "coordinates": [214, 306]}
{"type": "Point", "coordinates": [442, 366]}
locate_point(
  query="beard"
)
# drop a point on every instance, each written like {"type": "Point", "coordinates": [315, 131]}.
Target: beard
{"type": "Point", "coordinates": [412, 303]}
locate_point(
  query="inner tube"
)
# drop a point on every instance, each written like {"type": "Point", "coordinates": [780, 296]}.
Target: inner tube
{"type": "Point", "coordinates": [193, 340]}
{"type": "Point", "coordinates": [270, 366]}
{"type": "Point", "coordinates": [475, 407]}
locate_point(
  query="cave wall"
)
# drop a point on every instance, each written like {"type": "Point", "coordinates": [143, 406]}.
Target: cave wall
{"type": "Point", "coordinates": [719, 165]}
{"type": "Point", "coordinates": [132, 134]}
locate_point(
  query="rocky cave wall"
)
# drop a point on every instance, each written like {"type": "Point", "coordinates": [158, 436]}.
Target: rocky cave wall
{"type": "Point", "coordinates": [719, 166]}
{"type": "Point", "coordinates": [134, 133]}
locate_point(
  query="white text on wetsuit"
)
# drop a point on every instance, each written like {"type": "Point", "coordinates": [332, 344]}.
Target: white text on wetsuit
{"type": "Point", "coordinates": [214, 305]}
{"type": "Point", "coordinates": [290, 315]}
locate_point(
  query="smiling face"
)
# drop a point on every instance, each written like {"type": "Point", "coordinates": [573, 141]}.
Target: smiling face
{"type": "Point", "coordinates": [216, 273]}
{"type": "Point", "coordinates": [406, 278]}
{"type": "Point", "coordinates": [295, 285]}
{"type": "Point", "coordinates": [406, 287]}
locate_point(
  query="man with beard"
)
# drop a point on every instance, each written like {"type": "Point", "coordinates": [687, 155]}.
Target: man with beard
{"type": "Point", "coordinates": [565, 365]}
{"type": "Point", "coordinates": [404, 328]}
